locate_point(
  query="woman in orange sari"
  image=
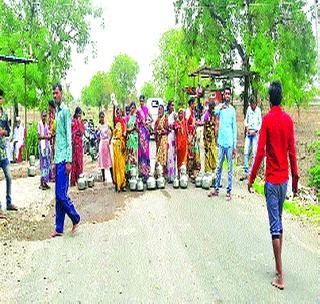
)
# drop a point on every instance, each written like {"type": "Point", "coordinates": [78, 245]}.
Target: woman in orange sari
{"type": "Point", "coordinates": [119, 149]}
{"type": "Point", "coordinates": [181, 139]}
{"type": "Point", "coordinates": [119, 157]}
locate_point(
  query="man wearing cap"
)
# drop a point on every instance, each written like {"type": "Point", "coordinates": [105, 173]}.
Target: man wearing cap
{"type": "Point", "coordinates": [4, 163]}
{"type": "Point", "coordinates": [17, 141]}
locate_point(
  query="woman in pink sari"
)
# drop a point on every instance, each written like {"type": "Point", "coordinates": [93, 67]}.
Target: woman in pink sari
{"type": "Point", "coordinates": [144, 121]}
{"type": "Point", "coordinates": [171, 165]}
{"type": "Point", "coordinates": [104, 134]}
{"type": "Point", "coordinates": [77, 131]}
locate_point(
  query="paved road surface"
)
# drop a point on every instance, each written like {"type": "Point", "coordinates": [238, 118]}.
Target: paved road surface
{"type": "Point", "coordinates": [170, 246]}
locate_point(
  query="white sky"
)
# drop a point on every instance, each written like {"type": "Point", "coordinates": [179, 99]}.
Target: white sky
{"type": "Point", "coordinates": [131, 27]}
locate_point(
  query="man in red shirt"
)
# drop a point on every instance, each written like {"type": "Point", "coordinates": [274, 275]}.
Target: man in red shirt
{"type": "Point", "coordinates": [276, 142]}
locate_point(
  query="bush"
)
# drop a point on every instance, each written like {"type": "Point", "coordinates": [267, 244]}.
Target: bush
{"type": "Point", "coordinates": [32, 141]}
{"type": "Point", "coordinates": [315, 169]}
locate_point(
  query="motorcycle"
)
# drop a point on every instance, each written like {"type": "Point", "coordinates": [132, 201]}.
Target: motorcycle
{"type": "Point", "coordinates": [91, 143]}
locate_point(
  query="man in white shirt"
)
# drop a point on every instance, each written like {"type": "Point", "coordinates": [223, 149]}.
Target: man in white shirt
{"type": "Point", "coordinates": [17, 141]}
{"type": "Point", "coordinates": [252, 125]}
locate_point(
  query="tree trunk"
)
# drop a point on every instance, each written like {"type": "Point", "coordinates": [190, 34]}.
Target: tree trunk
{"type": "Point", "coordinates": [246, 94]}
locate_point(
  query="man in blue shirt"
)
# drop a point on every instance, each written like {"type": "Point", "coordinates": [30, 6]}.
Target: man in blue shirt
{"type": "Point", "coordinates": [227, 141]}
{"type": "Point", "coordinates": [63, 160]}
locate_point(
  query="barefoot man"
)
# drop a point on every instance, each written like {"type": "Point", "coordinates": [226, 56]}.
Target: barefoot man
{"type": "Point", "coordinates": [276, 141]}
{"type": "Point", "coordinates": [63, 160]}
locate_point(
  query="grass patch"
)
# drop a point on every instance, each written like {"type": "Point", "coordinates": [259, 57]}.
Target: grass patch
{"type": "Point", "coordinates": [311, 211]}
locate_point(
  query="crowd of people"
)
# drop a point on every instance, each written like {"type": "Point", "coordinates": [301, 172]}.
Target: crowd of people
{"type": "Point", "coordinates": [61, 150]}
{"type": "Point", "coordinates": [175, 133]}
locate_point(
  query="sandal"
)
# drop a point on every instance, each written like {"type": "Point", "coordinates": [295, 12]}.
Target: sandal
{"type": "Point", "coordinates": [228, 197]}
{"type": "Point", "coordinates": [12, 207]}
{"type": "Point", "coordinates": [213, 193]}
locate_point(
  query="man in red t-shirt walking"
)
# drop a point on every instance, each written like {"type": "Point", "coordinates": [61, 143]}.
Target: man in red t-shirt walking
{"type": "Point", "coordinates": [276, 142]}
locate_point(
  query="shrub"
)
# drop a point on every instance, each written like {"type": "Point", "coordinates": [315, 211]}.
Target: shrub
{"type": "Point", "coordinates": [315, 169]}
{"type": "Point", "coordinates": [32, 141]}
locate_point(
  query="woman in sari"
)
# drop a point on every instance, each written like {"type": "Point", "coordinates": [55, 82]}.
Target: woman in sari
{"type": "Point", "coordinates": [171, 142]}
{"type": "Point", "coordinates": [104, 135]}
{"type": "Point", "coordinates": [77, 132]}
{"type": "Point", "coordinates": [132, 142]}
{"type": "Point", "coordinates": [144, 121]}
{"type": "Point", "coordinates": [194, 164]}
{"type": "Point", "coordinates": [161, 137]}
{"type": "Point", "coordinates": [119, 157]}
{"type": "Point", "coordinates": [209, 140]}
{"type": "Point", "coordinates": [181, 139]}
{"type": "Point", "coordinates": [44, 152]}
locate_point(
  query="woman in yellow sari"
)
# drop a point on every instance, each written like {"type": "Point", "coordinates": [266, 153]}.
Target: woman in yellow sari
{"type": "Point", "coordinates": [209, 140]}
{"type": "Point", "coordinates": [119, 157]}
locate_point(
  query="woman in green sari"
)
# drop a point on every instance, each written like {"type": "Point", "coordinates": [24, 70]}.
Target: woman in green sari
{"type": "Point", "coordinates": [132, 139]}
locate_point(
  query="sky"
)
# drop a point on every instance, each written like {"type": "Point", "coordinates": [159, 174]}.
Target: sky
{"type": "Point", "coordinates": [131, 27]}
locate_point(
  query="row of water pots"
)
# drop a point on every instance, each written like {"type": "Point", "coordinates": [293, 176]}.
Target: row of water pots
{"type": "Point", "coordinates": [85, 181]}
{"type": "Point", "coordinates": [204, 180]}
{"type": "Point", "coordinates": [136, 183]}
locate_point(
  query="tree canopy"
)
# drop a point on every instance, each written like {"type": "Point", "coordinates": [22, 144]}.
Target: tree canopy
{"type": "Point", "coordinates": [271, 37]}
{"type": "Point", "coordinates": [98, 92]}
{"type": "Point", "coordinates": [123, 73]}
{"type": "Point", "coordinates": [173, 65]}
{"type": "Point", "coordinates": [148, 90]}
{"type": "Point", "coordinates": [46, 30]}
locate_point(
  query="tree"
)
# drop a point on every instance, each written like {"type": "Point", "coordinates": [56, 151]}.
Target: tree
{"type": "Point", "coordinates": [123, 72]}
{"type": "Point", "coordinates": [99, 91]}
{"type": "Point", "coordinates": [148, 90]}
{"type": "Point", "coordinates": [46, 30]}
{"type": "Point", "coordinates": [271, 37]}
{"type": "Point", "coordinates": [173, 65]}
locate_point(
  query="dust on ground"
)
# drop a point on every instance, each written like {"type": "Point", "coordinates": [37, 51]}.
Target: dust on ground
{"type": "Point", "coordinates": [95, 205]}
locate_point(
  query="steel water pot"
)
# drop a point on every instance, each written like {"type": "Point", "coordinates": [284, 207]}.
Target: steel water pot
{"type": "Point", "coordinates": [184, 181]}
{"type": "Point", "coordinates": [133, 184]}
{"type": "Point", "coordinates": [151, 183]}
{"type": "Point", "coordinates": [82, 182]}
{"type": "Point", "coordinates": [140, 186]}
{"type": "Point", "coordinates": [32, 171]}
{"type": "Point", "coordinates": [176, 183]}
{"type": "Point", "coordinates": [161, 182]}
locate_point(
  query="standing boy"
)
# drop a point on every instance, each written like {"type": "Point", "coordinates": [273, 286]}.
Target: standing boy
{"type": "Point", "coordinates": [276, 141]}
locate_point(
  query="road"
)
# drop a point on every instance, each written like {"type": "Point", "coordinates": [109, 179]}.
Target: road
{"type": "Point", "coordinates": [168, 246]}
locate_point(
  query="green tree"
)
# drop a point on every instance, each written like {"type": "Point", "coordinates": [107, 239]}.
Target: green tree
{"type": "Point", "coordinates": [123, 72]}
{"type": "Point", "coordinates": [271, 37]}
{"type": "Point", "coordinates": [46, 30]}
{"type": "Point", "coordinates": [99, 90]}
{"type": "Point", "coordinates": [148, 90]}
{"type": "Point", "coordinates": [173, 65]}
